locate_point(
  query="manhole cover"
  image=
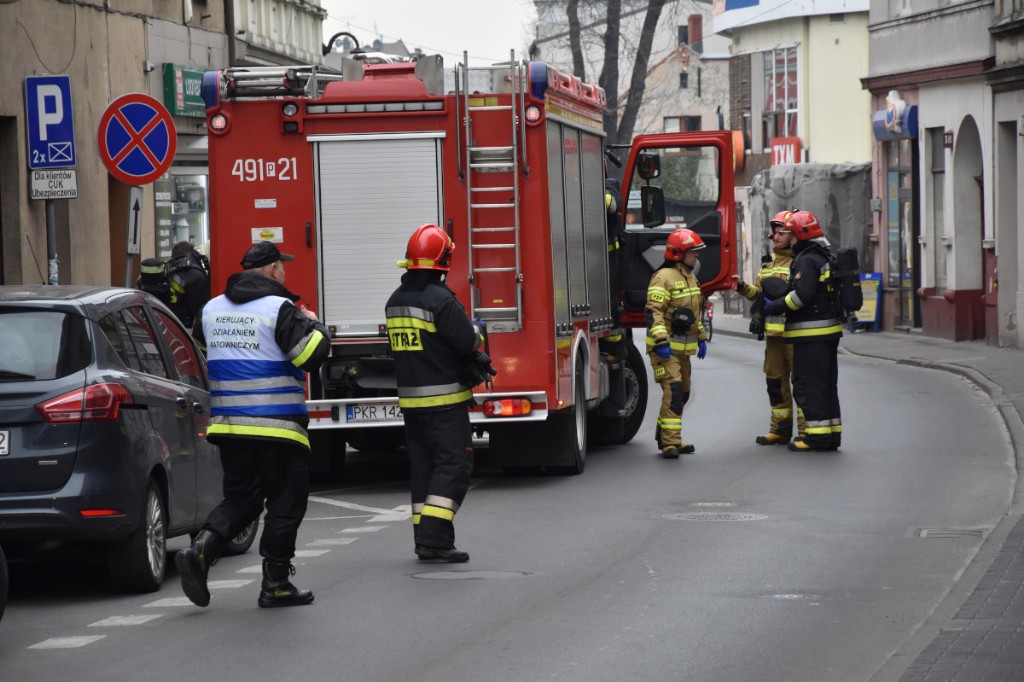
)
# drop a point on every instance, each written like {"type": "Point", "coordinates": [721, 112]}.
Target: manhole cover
{"type": "Point", "coordinates": [471, 575]}
{"type": "Point", "coordinates": [715, 516]}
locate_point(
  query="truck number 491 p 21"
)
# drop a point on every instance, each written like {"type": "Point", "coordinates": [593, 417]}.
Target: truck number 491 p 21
{"type": "Point", "coordinates": [257, 170]}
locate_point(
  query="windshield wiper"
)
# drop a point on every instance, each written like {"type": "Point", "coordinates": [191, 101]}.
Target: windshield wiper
{"type": "Point", "coordinates": [10, 374]}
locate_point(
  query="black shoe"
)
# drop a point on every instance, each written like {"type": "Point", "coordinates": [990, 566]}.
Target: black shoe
{"type": "Point", "coordinates": [451, 555]}
{"type": "Point", "coordinates": [194, 563]}
{"type": "Point", "coordinates": [278, 589]}
{"type": "Point", "coordinates": [671, 452]}
{"type": "Point", "coordinates": [687, 450]}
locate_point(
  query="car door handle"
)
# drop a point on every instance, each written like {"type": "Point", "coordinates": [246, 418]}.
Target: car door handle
{"type": "Point", "coordinates": [182, 402]}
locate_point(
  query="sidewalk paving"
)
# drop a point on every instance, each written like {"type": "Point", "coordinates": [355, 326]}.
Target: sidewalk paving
{"type": "Point", "coordinates": [977, 632]}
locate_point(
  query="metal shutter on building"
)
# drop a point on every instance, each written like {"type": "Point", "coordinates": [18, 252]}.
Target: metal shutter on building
{"type": "Point", "coordinates": [372, 192]}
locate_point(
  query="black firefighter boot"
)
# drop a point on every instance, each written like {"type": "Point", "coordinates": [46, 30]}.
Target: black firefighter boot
{"type": "Point", "coordinates": [278, 590]}
{"type": "Point", "coordinates": [194, 563]}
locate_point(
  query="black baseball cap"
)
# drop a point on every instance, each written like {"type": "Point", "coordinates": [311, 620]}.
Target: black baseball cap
{"type": "Point", "coordinates": [263, 253]}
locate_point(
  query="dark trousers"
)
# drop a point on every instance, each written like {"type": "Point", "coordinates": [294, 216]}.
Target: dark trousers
{"type": "Point", "coordinates": [816, 391]}
{"type": "Point", "coordinates": [441, 461]}
{"type": "Point", "coordinates": [258, 471]}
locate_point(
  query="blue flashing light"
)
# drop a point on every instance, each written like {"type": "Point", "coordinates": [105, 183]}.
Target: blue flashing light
{"type": "Point", "coordinates": [210, 89]}
{"type": "Point", "coordinates": [538, 79]}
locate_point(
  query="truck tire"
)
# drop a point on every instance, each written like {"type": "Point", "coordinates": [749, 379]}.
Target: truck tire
{"type": "Point", "coordinates": [558, 444]}
{"type": "Point", "coordinates": [618, 430]}
{"type": "Point", "coordinates": [241, 543]}
{"type": "Point", "coordinates": [327, 450]}
{"type": "Point", "coordinates": [4, 581]}
{"type": "Point", "coordinates": [376, 440]}
{"type": "Point", "coordinates": [138, 563]}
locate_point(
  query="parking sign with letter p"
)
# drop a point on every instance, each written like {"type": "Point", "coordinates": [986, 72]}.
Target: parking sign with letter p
{"type": "Point", "coordinates": [50, 122]}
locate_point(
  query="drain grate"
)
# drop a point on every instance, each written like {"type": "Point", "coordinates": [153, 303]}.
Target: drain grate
{"type": "Point", "coordinates": [952, 533]}
{"type": "Point", "coordinates": [714, 516]}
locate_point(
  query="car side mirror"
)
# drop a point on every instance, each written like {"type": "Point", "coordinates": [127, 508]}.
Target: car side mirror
{"type": "Point", "coordinates": [648, 166]}
{"type": "Point", "coordinates": [652, 206]}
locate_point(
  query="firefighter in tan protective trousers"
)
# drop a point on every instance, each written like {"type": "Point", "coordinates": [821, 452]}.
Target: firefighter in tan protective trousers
{"type": "Point", "coordinates": [674, 333]}
{"type": "Point", "coordinates": [778, 356]}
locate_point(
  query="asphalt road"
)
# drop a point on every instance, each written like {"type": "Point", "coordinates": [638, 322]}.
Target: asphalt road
{"type": "Point", "coordinates": [737, 563]}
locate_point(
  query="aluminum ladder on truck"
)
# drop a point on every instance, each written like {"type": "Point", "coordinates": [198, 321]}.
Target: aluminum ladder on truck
{"type": "Point", "coordinates": [494, 142]}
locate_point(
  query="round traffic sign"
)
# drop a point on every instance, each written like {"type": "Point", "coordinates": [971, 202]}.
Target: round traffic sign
{"type": "Point", "coordinates": [137, 139]}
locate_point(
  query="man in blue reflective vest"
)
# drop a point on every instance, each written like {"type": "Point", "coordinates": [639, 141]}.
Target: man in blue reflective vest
{"type": "Point", "coordinates": [258, 346]}
{"type": "Point", "coordinates": [431, 338]}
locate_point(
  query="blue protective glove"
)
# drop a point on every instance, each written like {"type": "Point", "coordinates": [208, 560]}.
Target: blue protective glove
{"type": "Point", "coordinates": [702, 350]}
{"type": "Point", "coordinates": [768, 306]}
{"type": "Point", "coordinates": [664, 351]}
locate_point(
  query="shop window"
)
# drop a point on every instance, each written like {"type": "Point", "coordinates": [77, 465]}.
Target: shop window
{"type": "Point", "coordinates": [182, 211]}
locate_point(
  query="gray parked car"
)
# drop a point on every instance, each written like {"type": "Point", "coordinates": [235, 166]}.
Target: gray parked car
{"type": "Point", "coordinates": [104, 403]}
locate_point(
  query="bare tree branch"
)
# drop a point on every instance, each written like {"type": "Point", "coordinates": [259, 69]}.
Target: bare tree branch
{"type": "Point", "coordinates": [573, 10]}
{"type": "Point", "coordinates": [638, 82]}
{"type": "Point", "coordinates": [609, 79]}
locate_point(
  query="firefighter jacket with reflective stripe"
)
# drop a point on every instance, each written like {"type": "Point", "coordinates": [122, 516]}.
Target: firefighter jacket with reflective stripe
{"type": "Point", "coordinates": [258, 344]}
{"type": "Point", "coordinates": [808, 308]}
{"type": "Point", "coordinates": [672, 288]}
{"type": "Point", "coordinates": [431, 337]}
{"type": "Point", "coordinates": [779, 266]}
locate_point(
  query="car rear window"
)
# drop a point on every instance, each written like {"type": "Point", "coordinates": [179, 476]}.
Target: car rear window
{"type": "Point", "coordinates": [38, 345]}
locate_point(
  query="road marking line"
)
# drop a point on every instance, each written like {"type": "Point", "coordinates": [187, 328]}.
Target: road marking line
{"type": "Point", "coordinates": [115, 621]}
{"type": "Point", "coordinates": [67, 642]}
{"type": "Point", "coordinates": [332, 541]}
{"type": "Point", "coordinates": [362, 529]}
{"type": "Point", "coordinates": [258, 568]}
{"type": "Point", "coordinates": [228, 583]}
{"type": "Point", "coordinates": [307, 553]}
{"type": "Point", "coordinates": [348, 505]}
{"type": "Point", "coordinates": [169, 601]}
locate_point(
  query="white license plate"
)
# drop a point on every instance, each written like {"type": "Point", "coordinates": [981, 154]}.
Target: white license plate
{"type": "Point", "coordinates": [5, 443]}
{"type": "Point", "coordinates": [374, 413]}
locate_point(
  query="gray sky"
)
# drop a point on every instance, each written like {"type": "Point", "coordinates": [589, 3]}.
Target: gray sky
{"type": "Point", "coordinates": [488, 29]}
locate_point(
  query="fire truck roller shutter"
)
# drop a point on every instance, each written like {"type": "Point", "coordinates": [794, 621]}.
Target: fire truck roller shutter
{"type": "Point", "coordinates": [371, 191]}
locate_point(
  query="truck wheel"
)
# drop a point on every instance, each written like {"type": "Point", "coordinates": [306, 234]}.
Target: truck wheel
{"type": "Point", "coordinates": [636, 395]}
{"type": "Point", "coordinates": [241, 543]}
{"type": "Point", "coordinates": [558, 444]}
{"type": "Point", "coordinates": [4, 580]}
{"type": "Point", "coordinates": [568, 431]}
{"type": "Point", "coordinates": [619, 427]}
{"type": "Point", "coordinates": [327, 449]}
{"type": "Point", "coordinates": [138, 563]}
{"type": "Point", "coordinates": [376, 440]}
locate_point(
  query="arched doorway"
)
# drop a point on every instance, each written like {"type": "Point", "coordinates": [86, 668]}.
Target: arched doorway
{"type": "Point", "coordinates": [970, 263]}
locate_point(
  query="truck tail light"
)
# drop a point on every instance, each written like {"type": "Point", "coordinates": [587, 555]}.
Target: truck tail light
{"type": "Point", "coordinates": [99, 403]}
{"type": "Point", "coordinates": [219, 124]}
{"type": "Point", "coordinates": [508, 407]}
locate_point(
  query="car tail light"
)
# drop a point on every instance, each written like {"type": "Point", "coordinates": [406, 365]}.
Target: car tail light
{"type": "Point", "coordinates": [509, 407]}
{"type": "Point", "coordinates": [99, 403]}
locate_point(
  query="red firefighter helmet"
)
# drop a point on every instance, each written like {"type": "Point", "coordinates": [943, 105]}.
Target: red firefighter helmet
{"type": "Point", "coordinates": [429, 248]}
{"type": "Point", "coordinates": [804, 225]}
{"type": "Point", "coordinates": [681, 241]}
{"type": "Point", "coordinates": [779, 220]}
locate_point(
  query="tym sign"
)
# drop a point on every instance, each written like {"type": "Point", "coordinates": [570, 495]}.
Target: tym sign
{"type": "Point", "coordinates": [51, 126]}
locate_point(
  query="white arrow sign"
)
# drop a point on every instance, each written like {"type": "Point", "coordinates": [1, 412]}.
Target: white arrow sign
{"type": "Point", "coordinates": [135, 220]}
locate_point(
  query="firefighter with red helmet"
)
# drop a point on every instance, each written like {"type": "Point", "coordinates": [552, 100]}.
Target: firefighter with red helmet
{"type": "Point", "coordinates": [778, 356]}
{"type": "Point", "coordinates": [431, 338]}
{"type": "Point", "coordinates": [814, 330]}
{"type": "Point", "coordinates": [674, 333]}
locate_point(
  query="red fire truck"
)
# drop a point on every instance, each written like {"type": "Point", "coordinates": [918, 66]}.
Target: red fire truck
{"type": "Point", "coordinates": [338, 168]}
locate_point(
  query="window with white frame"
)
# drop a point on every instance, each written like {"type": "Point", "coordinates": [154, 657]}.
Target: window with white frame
{"type": "Point", "coordinates": [780, 112]}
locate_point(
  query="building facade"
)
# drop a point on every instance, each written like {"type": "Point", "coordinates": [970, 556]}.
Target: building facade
{"type": "Point", "coordinates": [948, 184]}
{"type": "Point", "coordinates": [63, 62]}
